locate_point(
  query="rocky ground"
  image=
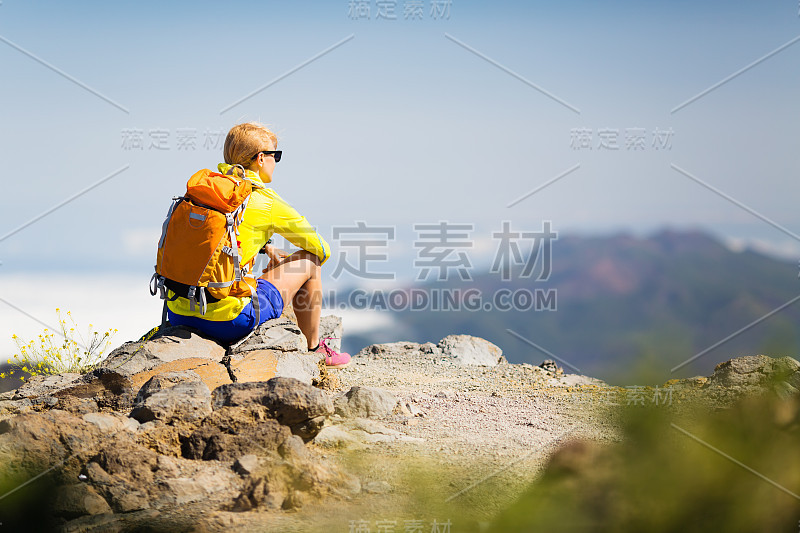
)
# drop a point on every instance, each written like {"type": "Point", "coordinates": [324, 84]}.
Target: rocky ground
{"type": "Point", "coordinates": [176, 433]}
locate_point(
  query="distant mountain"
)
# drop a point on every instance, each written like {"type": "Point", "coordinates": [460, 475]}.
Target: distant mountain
{"type": "Point", "coordinates": [628, 307]}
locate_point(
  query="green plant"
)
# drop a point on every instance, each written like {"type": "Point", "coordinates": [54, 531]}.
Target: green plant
{"type": "Point", "coordinates": [64, 351]}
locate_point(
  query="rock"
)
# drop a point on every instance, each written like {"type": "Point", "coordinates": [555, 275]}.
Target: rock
{"type": "Point", "coordinates": [407, 408]}
{"type": "Point", "coordinates": [695, 382]}
{"type": "Point", "coordinates": [70, 392]}
{"type": "Point", "coordinates": [288, 312]}
{"type": "Point", "coordinates": [11, 408]}
{"type": "Point", "coordinates": [107, 522]}
{"type": "Point", "coordinates": [469, 350]}
{"type": "Point", "coordinates": [32, 441]}
{"type": "Point", "coordinates": [295, 404]}
{"type": "Point", "coordinates": [163, 438]}
{"type": "Point", "coordinates": [263, 365]}
{"type": "Point", "coordinates": [376, 487]}
{"type": "Point", "coordinates": [372, 427]}
{"type": "Point", "coordinates": [171, 344]}
{"type": "Point", "coordinates": [284, 335]}
{"type": "Point", "coordinates": [291, 485]}
{"type": "Point", "coordinates": [301, 366]}
{"type": "Point", "coordinates": [276, 334]}
{"type": "Point", "coordinates": [231, 432]}
{"type": "Point", "coordinates": [132, 478]}
{"type": "Point", "coordinates": [358, 432]}
{"type": "Point", "coordinates": [331, 326]}
{"type": "Point", "coordinates": [577, 380]}
{"type": "Point", "coordinates": [551, 366]}
{"type": "Point", "coordinates": [75, 393]}
{"type": "Point", "coordinates": [255, 365]}
{"type": "Point", "coordinates": [365, 402]}
{"type": "Point", "coordinates": [293, 448]}
{"type": "Point", "coordinates": [212, 373]}
{"type": "Point", "coordinates": [172, 396]}
{"type": "Point", "coordinates": [82, 406]}
{"type": "Point", "coordinates": [130, 463]}
{"type": "Point", "coordinates": [120, 477]}
{"type": "Point", "coordinates": [80, 499]}
{"type": "Point", "coordinates": [246, 464]}
{"type": "Point", "coordinates": [164, 381]}
{"type": "Point", "coordinates": [45, 385]}
{"type": "Point", "coordinates": [391, 350]}
{"type": "Point", "coordinates": [337, 437]}
{"type": "Point", "coordinates": [259, 493]}
{"type": "Point", "coordinates": [198, 487]}
{"type": "Point", "coordinates": [755, 373]}
{"type": "Point", "coordinates": [97, 383]}
{"type": "Point", "coordinates": [105, 422]}
{"type": "Point", "coordinates": [430, 348]}
{"type": "Point", "coordinates": [130, 424]}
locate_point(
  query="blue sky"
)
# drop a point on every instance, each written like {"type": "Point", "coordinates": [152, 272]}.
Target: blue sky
{"type": "Point", "coordinates": [399, 124]}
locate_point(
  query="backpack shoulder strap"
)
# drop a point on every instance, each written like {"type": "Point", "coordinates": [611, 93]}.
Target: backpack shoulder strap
{"type": "Point", "coordinates": [253, 184]}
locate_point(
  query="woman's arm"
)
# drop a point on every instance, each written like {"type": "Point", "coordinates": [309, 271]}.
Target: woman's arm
{"type": "Point", "coordinates": [296, 229]}
{"type": "Point", "coordinates": [275, 254]}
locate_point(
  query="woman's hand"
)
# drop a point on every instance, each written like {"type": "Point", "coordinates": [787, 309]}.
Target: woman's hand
{"type": "Point", "coordinates": [276, 255]}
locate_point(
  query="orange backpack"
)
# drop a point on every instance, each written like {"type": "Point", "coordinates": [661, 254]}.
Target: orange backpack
{"type": "Point", "coordinates": [198, 253]}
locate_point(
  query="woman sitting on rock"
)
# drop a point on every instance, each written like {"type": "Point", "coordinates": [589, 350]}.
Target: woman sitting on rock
{"type": "Point", "coordinates": [289, 278]}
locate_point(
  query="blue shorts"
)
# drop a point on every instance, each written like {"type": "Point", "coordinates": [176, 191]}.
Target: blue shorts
{"type": "Point", "coordinates": [270, 304]}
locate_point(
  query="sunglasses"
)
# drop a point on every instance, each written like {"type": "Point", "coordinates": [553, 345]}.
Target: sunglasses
{"type": "Point", "coordinates": [276, 153]}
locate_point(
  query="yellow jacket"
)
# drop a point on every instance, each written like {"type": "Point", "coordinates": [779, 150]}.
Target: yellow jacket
{"type": "Point", "coordinates": [266, 214]}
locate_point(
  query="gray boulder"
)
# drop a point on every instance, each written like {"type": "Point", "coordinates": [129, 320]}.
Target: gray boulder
{"type": "Point", "coordinates": [469, 350]}
{"type": "Point", "coordinates": [276, 334]}
{"type": "Point", "coordinates": [130, 478]}
{"type": "Point", "coordinates": [376, 487]}
{"type": "Point", "coordinates": [399, 350]}
{"type": "Point", "coordinates": [246, 464]}
{"type": "Point", "coordinates": [289, 401]}
{"type": "Point", "coordinates": [172, 396]}
{"type": "Point", "coordinates": [232, 432]}
{"type": "Point", "coordinates": [753, 373]}
{"type": "Point", "coordinates": [171, 344]}
{"type": "Point", "coordinates": [44, 385]}
{"type": "Point", "coordinates": [300, 366]}
{"type": "Point", "coordinates": [164, 381]}
{"type": "Point", "coordinates": [458, 349]}
{"type": "Point", "coordinates": [262, 365]}
{"type": "Point", "coordinates": [331, 326]}
{"type": "Point", "coordinates": [77, 500]}
{"type": "Point", "coordinates": [365, 402]}
{"type": "Point", "coordinates": [550, 366]}
{"type": "Point", "coordinates": [283, 334]}
{"type": "Point", "coordinates": [101, 388]}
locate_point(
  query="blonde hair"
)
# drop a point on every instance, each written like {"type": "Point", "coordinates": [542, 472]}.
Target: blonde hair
{"type": "Point", "coordinates": [245, 140]}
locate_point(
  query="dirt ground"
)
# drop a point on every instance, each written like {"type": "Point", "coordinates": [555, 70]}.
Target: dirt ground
{"type": "Point", "coordinates": [480, 436]}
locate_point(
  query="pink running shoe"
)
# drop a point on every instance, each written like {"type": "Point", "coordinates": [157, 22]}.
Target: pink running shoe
{"type": "Point", "coordinates": [333, 359]}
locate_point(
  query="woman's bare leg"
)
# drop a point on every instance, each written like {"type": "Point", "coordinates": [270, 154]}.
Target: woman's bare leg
{"type": "Point", "coordinates": [298, 279]}
{"type": "Point", "coordinates": [307, 305]}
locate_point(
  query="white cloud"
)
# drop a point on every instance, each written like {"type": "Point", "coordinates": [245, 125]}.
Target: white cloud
{"type": "Point", "coordinates": [784, 249]}
{"type": "Point", "coordinates": [121, 302]}
{"type": "Point", "coordinates": [140, 241]}
{"type": "Point", "coordinates": [107, 302]}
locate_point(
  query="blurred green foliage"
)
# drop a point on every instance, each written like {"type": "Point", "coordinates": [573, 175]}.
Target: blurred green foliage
{"type": "Point", "coordinates": [675, 471]}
